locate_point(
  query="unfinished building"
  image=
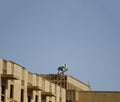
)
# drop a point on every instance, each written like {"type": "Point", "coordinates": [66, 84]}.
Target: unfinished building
{"type": "Point", "coordinates": [17, 84]}
{"type": "Point", "coordinates": [69, 83]}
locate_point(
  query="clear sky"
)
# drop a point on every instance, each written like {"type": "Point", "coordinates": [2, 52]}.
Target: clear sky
{"type": "Point", "coordinates": [85, 34]}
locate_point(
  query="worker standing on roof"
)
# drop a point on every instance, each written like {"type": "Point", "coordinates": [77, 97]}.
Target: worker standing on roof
{"type": "Point", "coordinates": [61, 68]}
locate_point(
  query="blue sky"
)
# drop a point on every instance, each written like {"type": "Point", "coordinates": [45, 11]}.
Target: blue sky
{"type": "Point", "coordinates": [85, 34]}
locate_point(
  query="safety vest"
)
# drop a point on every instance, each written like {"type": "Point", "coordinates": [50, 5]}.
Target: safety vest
{"type": "Point", "coordinates": [62, 66]}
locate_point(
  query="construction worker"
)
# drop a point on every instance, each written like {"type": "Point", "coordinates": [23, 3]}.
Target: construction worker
{"type": "Point", "coordinates": [61, 68]}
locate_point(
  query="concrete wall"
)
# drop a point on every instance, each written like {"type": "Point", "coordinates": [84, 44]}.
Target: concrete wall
{"type": "Point", "coordinates": [1, 66]}
{"type": "Point", "coordinates": [99, 96]}
{"type": "Point", "coordinates": [60, 93]}
{"type": "Point", "coordinates": [75, 84]}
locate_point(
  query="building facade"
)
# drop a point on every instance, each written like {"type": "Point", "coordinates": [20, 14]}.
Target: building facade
{"type": "Point", "coordinates": [69, 83]}
{"type": "Point", "coordinates": [17, 84]}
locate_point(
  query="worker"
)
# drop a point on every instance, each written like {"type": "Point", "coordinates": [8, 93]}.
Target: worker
{"type": "Point", "coordinates": [61, 68]}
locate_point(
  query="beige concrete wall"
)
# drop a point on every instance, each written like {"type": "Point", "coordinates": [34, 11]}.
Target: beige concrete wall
{"type": "Point", "coordinates": [30, 78]}
{"type": "Point", "coordinates": [52, 99]}
{"type": "Point", "coordinates": [47, 86]}
{"type": "Point", "coordinates": [38, 80]}
{"type": "Point", "coordinates": [72, 95]}
{"type": "Point", "coordinates": [99, 96]}
{"type": "Point", "coordinates": [10, 67]}
{"type": "Point", "coordinates": [0, 87]}
{"type": "Point", "coordinates": [39, 96]}
{"type": "Point", "coordinates": [1, 66]}
{"type": "Point", "coordinates": [47, 89]}
{"type": "Point", "coordinates": [57, 91]}
{"type": "Point", "coordinates": [63, 94]}
{"type": "Point", "coordinates": [52, 89]}
{"type": "Point", "coordinates": [25, 93]}
{"type": "Point", "coordinates": [17, 70]}
{"type": "Point", "coordinates": [34, 80]}
{"type": "Point", "coordinates": [17, 90]}
{"type": "Point", "coordinates": [26, 77]}
{"type": "Point", "coordinates": [76, 83]}
{"type": "Point", "coordinates": [60, 94]}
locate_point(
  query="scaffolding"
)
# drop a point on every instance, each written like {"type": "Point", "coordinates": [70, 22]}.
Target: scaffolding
{"type": "Point", "coordinates": [59, 79]}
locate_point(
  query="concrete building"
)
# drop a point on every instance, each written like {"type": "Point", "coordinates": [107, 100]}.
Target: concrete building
{"type": "Point", "coordinates": [17, 84]}
{"type": "Point", "coordinates": [69, 83]}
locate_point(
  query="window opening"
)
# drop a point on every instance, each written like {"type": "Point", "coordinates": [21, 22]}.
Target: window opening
{"type": "Point", "coordinates": [11, 91]}
{"type": "Point", "coordinates": [29, 99]}
{"type": "Point", "coordinates": [3, 94]}
{"type": "Point", "coordinates": [22, 95]}
{"type": "Point", "coordinates": [43, 99]}
{"type": "Point", "coordinates": [36, 98]}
